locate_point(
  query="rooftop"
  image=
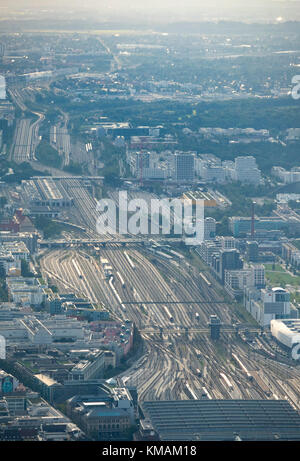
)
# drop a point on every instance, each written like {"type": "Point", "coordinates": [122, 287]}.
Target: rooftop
{"type": "Point", "coordinates": [223, 419]}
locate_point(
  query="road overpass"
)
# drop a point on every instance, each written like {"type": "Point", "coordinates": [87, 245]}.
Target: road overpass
{"type": "Point", "coordinates": [201, 329]}
{"type": "Point", "coordinates": [100, 242]}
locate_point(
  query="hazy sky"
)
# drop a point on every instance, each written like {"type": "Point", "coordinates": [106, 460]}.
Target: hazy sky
{"type": "Point", "coordinates": [167, 9]}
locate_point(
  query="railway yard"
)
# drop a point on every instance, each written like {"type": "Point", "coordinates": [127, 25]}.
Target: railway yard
{"type": "Point", "coordinates": [153, 288]}
{"type": "Point", "coordinates": [179, 360]}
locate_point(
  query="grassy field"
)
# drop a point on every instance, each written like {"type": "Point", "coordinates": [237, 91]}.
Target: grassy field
{"type": "Point", "coordinates": [277, 267]}
{"type": "Point", "coordinates": [297, 243]}
{"type": "Point", "coordinates": [282, 278]}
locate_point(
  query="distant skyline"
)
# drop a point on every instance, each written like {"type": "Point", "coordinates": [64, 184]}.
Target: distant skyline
{"type": "Point", "coordinates": [159, 10]}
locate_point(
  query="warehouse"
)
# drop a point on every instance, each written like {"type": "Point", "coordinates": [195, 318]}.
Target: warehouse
{"type": "Point", "coordinates": [46, 192]}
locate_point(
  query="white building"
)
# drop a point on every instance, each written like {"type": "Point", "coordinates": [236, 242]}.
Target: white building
{"type": "Point", "coordinates": [43, 330]}
{"type": "Point", "coordinates": [269, 304]}
{"type": "Point", "coordinates": [154, 173]}
{"type": "Point", "coordinates": [9, 264]}
{"type": "Point", "coordinates": [227, 243]}
{"type": "Point", "coordinates": [246, 170]}
{"type": "Point", "coordinates": [286, 331]}
{"type": "Point", "coordinates": [17, 248]}
{"type": "Point", "coordinates": [26, 291]}
{"type": "Point", "coordinates": [91, 368]}
{"type": "Point", "coordinates": [252, 277]}
{"type": "Point", "coordinates": [287, 177]}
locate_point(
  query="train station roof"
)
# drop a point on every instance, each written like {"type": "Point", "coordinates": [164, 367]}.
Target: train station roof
{"type": "Point", "coordinates": [223, 419]}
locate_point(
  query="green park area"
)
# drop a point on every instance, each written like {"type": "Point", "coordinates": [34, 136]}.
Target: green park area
{"type": "Point", "coordinates": [278, 276]}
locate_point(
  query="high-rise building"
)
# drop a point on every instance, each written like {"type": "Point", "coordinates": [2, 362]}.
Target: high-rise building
{"type": "Point", "coordinates": [210, 225]}
{"type": "Point", "coordinates": [252, 253]}
{"type": "Point", "coordinates": [2, 51]}
{"type": "Point", "coordinates": [229, 260]}
{"type": "Point", "coordinates": [2, 86]}
{"type": "Point", "coordinates": [184, 167]}
{"type": "Point", "coordinates": [236, 281]}
{"type": "Point", "coordinates": [142, 161]}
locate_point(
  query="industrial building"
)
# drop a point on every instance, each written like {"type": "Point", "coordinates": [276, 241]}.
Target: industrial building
{"type": "Point", "coordinates": [46, 192]}
{"type": "Point", "coordinates": [241, 226]}
{"type": "Point", "coordinates": [201, 196]}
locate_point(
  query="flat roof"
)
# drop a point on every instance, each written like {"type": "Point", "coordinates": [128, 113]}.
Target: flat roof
{"type": "Point", "coordinates": [46, 379]}
{"type": "Point", "coordinates": [223, 419]}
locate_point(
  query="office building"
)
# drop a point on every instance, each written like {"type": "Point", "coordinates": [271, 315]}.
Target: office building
{"type": "Point", "coordinates": [246, 170]}
{"type": "Point", "coordinates": [287, 177]}
{"type": "Point", "coordinates": [226, 260]}
{"type": "Point", "coordinates": [252, 251]}
{"type": "Point", "coordinates": [210, 225]}
{"type": "Point", "coordinates": [184, 167]}
{"type": "Point", "coordinates": [92, 367]}
{"type": "Point", "coordinates": [269, 304]}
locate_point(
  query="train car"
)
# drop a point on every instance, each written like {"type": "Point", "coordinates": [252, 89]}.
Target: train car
{"type": "Point", "coordinates": [242, 366]}
{"type": "Point", "coordinates": [205, 279]}
{"type": "Point", "coordinates": [198, 353]}
{"type": "Point", "coordinates": [79, 273]}
{"type": "Point", "coordinates": [191, 392]}
{"type": "Point", "coordinates": [205, 394]}
{"type": "Point", "coordinates": [121, 279]}
{"type": "Point", "coordinates": [129, 260]}
{"type": "Point", "coordinates": [169, 314]}
{"type": "Point", "coordinates": [197, 316]}
{"type": "Point", "coordinates": [176, 255]}
{"type": "Point", "coordinates": [198, 373]}
{"type": "Point", "coordinates": [164, 255]}
{"type": "Point", "coordinates": [226, 381]}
